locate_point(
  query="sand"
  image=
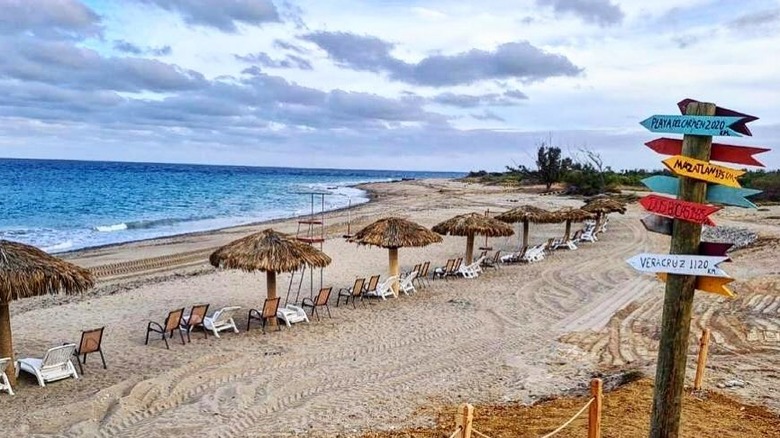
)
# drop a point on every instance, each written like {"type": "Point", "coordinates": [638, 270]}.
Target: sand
{"type": "Point", "coordinates": [512, 335]}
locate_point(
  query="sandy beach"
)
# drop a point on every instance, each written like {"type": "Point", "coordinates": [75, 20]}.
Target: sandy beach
{"type": "Point", "coordinates": [518, 333]}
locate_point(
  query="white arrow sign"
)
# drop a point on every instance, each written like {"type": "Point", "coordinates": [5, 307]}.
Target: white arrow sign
{"type": "Point", "coordinates": [705, 266]}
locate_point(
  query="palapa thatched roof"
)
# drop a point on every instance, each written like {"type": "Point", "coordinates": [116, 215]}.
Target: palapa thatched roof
{"type": "Point", "coordinates": [473, 223]}
{"type": "Point", "coordinates": [394, 232]}
{"type": "Point", "coordinates": [604, 205]}
{"type": "Point", "coordinates": [572, 214]}
{"type": "Point", "coordinates": [267, 251]}
{"type": "Point", "coordinates": [527, 213]}
{"type": "Point", "coordinates": [26, 271]}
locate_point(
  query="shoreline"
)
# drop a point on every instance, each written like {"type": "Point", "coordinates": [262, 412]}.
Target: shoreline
{"type": "Point", "coordinates": [370, 194]}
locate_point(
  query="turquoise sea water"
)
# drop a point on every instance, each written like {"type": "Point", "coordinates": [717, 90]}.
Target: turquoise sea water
{"type": "Point", "coordinates": [66, 205]}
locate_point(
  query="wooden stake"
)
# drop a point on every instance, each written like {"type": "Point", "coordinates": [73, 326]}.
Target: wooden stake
{"type": "Point", "coordinates": [701, 363]}
{"type": "Point", "coordinates": [394, 270]}
{"type": "Point", "coordinates": [464, 419]}
{"type": "Point", "coordinates": [6, 343]}
{"type": "Point", "coordinates": [594, 414]}
{"type": "Point", "coordinates": [678, 299]}
{"type": "Point", "coordinates": [469, 249]}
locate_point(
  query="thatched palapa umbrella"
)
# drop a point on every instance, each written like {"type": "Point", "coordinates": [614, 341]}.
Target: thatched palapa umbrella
{"type": "Point", "coordinates": [572, 215]}
{"type": "Point", "coordinates": [393, 233]}
{"type": "Point", "coordinates": [271, 252]}
{"type": "Point", "coordinates": [526, 214]}
{"type": "Point", "coordinates": [26, 271]}
{"type": "Point", "coordinates": [470, 225]}
{"type": "Point", "coordinates": [603, 206]}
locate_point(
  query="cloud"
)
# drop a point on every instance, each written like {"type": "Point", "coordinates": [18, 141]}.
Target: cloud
{"type": "Point", "coordinates": [519, 60]}
{"type": "Point", "coordinates": [128, 47]}
{"type": "Point", "coordinates": [601, 12]}
{"type": "Point", "coordinates": [48, 18]}
{"type": "Point", "coordinates": [264, 59]}
{"type": "Point", "coordinates": [286, 45]}
{"type": "Point", "coordinates": [508, 98]}
{"type": "Point", "coordinates": [64, 64]}
{"type": "Point", "coordinates": [221, 14]}
{"type": "Point", "coordinates": [488, 115]}
{"type": "Point", "coordinates": [757, 22]}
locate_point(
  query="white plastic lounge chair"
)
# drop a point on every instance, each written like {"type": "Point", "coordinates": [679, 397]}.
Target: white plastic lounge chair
{"type": "Point", "coordinates": [383, 289]}
{"type": "Point", "coordinates": [471, 271]}
{"type": "Point", "coordinates": [221, 320]}
{"type": "Point", "coordinates": [534, 254]}
{"type": "Point", "coordinates": [4, 385]}
{"type": "Point", "coordinates": [55, 365]}
{"type": "Point", "coordinates": [406, 284]}
{"type": "Point", "coordinates": [588, 235]}
{"type": "Point", "coordinates": [292, 314]}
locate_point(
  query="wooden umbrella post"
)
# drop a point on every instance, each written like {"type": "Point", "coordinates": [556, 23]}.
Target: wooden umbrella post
{"type": "Point", "coordinates": [594, 413]}
{"type": "Point", "coordinates": [394, 270]}
{"type": "Point", "coordinates": [678, 299]}
{"type": "Point", "coordinates": [701, 363]}
{"type": "Point", "coordinates": [525, 232]}
{"type": "Point", "coordinates": [270, 280]}
{"type": "Point", "coordinates": [6, 343]}
{"type": "Point", "coordinates": [568, 230]}
{"type": "Point", "coordinates": [469, 248]}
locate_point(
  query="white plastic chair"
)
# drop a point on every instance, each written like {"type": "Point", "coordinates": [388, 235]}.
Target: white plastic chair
{"type": "Point", "coordinates": [4, 384]}
{"type": "Point", "coordinates": [292, 314]}
{"type": "Point", "coordinates": [406, 284]}
{"type": "Point", "coordinates": [55, 365]}
{"type": "Point", "coordinates": [383, 289]}
{"type": "Point", "coordinates": [221, 320]}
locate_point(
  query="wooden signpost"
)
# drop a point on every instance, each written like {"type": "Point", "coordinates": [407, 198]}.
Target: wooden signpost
{"type": "Point", "coordinates": [715, 285]}
{"type": "Point", "coordinates": [686, 267]}
{"type": "Point", "coordinates": [692, 125]}
{"type": "Point", "coordinates": [720, 152]}
{"type": "Point", "coordinates": [702, 170]}
{"type": "Point", "coordinates": [716, 194]}
{"type": "Point", "coordinates": [674, 208]}
{"type": "Point", "coordinates": [683, 264]}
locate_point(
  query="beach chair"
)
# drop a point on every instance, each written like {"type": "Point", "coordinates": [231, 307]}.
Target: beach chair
{"type": "Point", "coordinates": [422, 276]}
{"type": "Point", "coordinates": [195, 319]}
{"type": "Point", "coordinates": [4, 384]}
{"type": "Point", "coordinates": [221, 320]}
{"type": "Point", "coordinates": [352, 292]}
{"type": "Point", "coordinates": [455, 268]}
{"type": "Point", "coordinates": [588, 235]}
{"type": "Point", "coordinates": [321, 300]}
{"type": "Point", "coordinates": [472, 270]}
{"type": "Point", "coordinates": [370, 288]}
{"type": "Point", "coordinates": [406, 283]}
{"type": "Point", "coordinates": [270, 307]}
{"type": "Point", "coordinates": [515, 257]}
{"type": "Point", "coordinates": [493, 262]}
{"type": "Point", "coordinates": [533, 254]}
{"type": "Point", "coordinates": [383, 289]}
{"type": "Point", "coordinates": [172, 322]}
{"type": "Point", "coordinates": [91, 341]}
{"type": "Point", "coordinates": [55, 365]}
{"type": "Point", "coordinates": [441, 271]}
{"type": "Point", "coordinates": [291, 314]}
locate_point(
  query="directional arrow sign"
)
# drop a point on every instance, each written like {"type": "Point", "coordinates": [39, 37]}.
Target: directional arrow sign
{"type": "Point", "coordinates": [740, 126]}
{"type": "Point", "coordinates": [720, 152]}
{"type": "Point", "coordinates": [694, 125]}
{"type": "Point", "coordinates": [687, 211]}
{"type": "Point", "coordinates": [658, 224]}
{"type": "Point", "coordinates": [702, 170]}
{"type": "Point", "coordinates": [682, 264]}
{"type": "Point", "coordinates": [715, 285]}
{"type": "Point", "coordinates": [716, 249]}
{"type": "Point", "coordinates": [716, 194]}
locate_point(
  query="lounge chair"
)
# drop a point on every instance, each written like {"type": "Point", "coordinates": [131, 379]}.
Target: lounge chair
{"type": "Point", "coordinates": [406, 283]}
{"type": "Point", "coordinates": [270, 307]}
{"type": "Point", "coordinates": [588, 235]}
{"type": "Point", "coordinates": [172, 322]}
{"type": "Point", "coordinates": [533, 254]}
{"type": "Point", "coordinates": [493, 262]}
{"type": "Point", "coordinates": [515, 257]}
{"type": "Point", "coordinates": [221, 320]}
{"type": "Point", "coordinates": [195, 319]}
{"type": "Point", "coordinates": [4, 384]}
{"type": "Point", "coordinates": [91, 341]}
{"type": "Point", "coordinates": [291, 314]}
{"type": "Point", "coordinates": [422, 277]}
{"type": "Point", "coordinates": [55, 365]}
{"type": "Point", "coordinates": [354, 292]}
{"type": "Point", "coordinates": [370, 289]}
{"type": "Point", "coordinates": [441, 271]}
{"type": "Point", "coordinates": [321, 300]}
{"type": "Point", "coordinates": [383, 289]}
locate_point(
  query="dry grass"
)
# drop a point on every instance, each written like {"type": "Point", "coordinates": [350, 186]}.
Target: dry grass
{"type": "Point", "coordinates": [626, 414]}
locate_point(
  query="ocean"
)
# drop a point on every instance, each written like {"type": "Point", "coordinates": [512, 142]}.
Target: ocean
{"type": "Point", "coordinates": [61, 206]}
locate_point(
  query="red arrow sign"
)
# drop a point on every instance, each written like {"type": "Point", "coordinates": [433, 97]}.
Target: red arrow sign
{"type": "Point", "coordinates": [740, 126]}
{"type": "Point", "coordinates": [687, 211]}
{"type": "Point", "coordinates": [715, 249]}
{"type": "Point", "coordinates": [720, 152]}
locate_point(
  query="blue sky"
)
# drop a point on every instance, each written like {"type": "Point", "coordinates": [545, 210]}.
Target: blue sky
{"type": "Point", "coordinates": [429, 85]}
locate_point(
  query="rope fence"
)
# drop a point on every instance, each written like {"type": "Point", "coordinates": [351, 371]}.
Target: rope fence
{"type": "Point", "coordinates": [464, 418]}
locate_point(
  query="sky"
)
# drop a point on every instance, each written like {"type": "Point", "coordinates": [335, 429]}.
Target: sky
{"type": "Point", "coordinates": [414, 85]}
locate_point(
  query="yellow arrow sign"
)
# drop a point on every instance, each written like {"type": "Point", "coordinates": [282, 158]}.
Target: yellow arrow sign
{"type": "Point", "coordinates": [715, 285]}
{"type": "Point", "coordinates": [703, 170]}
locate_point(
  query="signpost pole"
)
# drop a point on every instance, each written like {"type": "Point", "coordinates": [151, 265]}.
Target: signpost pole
{"type": "Point", "coordinates": [678, 300]}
